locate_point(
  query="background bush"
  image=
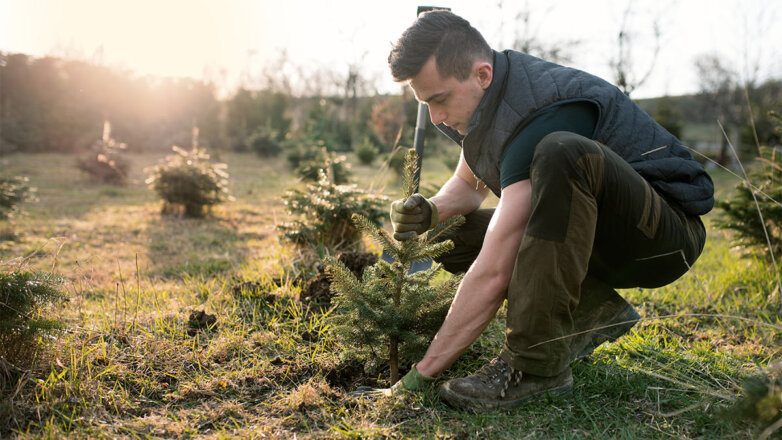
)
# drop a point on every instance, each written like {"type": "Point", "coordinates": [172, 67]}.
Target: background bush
{"type": "Point", "coordinates": [189, 183]}
{"type": "Point", "coordinates": [322, 214]}
{"type": "Point", "coordinates": [396, 161]}
{"type": "Point", "coordinates": [265, 143]}
{"type": "Point", "coordinates": [312, 157]}
{"type": "Point", "coordinates": [24, 297]}
{"type": "Point", "coordinates": [13, 191]}
{"type": "Point", "coordinates": [753, 212]}
{"type": "Point", "coordinates": [106, 161]}
{"type": "Point", "coordinates": [366, 152]}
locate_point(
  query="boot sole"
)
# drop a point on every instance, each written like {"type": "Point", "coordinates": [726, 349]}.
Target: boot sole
{"type": "Point", "coordinates": [457, 400]}
{"type": "Point", "coordinates": [620, 324]}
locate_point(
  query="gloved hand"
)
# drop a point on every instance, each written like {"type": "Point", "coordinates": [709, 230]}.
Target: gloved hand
{"type": "Point", "coordinates": [412, 381]}
{"type": "Point", "coordinates": [413, 216]}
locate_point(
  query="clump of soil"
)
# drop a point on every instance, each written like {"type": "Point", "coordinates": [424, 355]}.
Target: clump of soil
{"type": "Point", "coordinates": [349, 376]}
{"type": "Point", "coordinates": [357, 261]}
{"type": "Point", "coordinates": [318, 291]}
{"type": "Point", "coordinates": [200, 320]}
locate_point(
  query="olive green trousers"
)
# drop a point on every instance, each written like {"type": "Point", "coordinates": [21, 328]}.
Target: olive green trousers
{"type": "Point", "coordinates": [595, 225]}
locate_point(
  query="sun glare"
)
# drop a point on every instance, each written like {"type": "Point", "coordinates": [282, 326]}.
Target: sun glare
{"type": "Point", "coordinates": [162, 38]}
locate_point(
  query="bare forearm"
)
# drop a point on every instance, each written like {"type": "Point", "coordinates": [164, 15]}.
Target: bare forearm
{"type": "Point", "coordinates": [474, 306]}
{"type": "Point", "coordinates": [457, 197]}
{"type": "Point", "coordinates": [485, 285]}
{"type": "Point", "coordinates": [462, 194]}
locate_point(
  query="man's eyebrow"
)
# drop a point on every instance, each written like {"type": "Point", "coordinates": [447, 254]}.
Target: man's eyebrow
{"type": "Point", "coordinates": [435, 96]}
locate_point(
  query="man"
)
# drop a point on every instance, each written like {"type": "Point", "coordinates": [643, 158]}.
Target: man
{"type": "Point", "coordinates": [593, 195]}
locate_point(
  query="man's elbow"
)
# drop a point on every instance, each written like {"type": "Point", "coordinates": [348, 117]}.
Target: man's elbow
{"type": "Point", "coordinates": [495, 282]}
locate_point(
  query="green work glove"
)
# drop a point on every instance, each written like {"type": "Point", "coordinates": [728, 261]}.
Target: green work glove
{"type": "Point", "coordinates": [412, 381]}
{"type": "Point", "coordinates": [413, 216]}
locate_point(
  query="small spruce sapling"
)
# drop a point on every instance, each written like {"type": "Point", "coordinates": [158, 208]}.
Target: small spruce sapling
{"type": "Point", "coordinates": [106, 162]}
{"type": "Point", "coordinates": [24, 299]}
{"type": "Point", "coordinates": [390, 306]}
{"type": "Point", "coordinates": [188, 182]}
{"type": "Point", "coordinates": [753, 212]}
{"type": "Point", "coordinates": [322, 211]}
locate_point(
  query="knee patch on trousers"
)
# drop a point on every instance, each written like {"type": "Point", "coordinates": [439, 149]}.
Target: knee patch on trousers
{"type": "Point", "coordinates": [564, 162]}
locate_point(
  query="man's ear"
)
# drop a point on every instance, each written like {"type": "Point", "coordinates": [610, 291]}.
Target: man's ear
{"type": "Point", "coordinates": [484, 72]}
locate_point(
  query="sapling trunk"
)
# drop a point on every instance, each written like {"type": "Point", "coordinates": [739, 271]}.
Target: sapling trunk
{"type": "Point", "coordinates": [393, 358]}
{"type": "Point", "coordinates": [393, 341]}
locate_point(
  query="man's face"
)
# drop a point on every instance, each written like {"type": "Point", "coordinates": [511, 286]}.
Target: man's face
{"type": "Point", "coordinates": [451, 101]}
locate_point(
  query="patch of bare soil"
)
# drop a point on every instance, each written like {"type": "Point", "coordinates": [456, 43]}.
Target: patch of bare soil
{"type": "Point", "coordinates": [317, 292]}
{"type": "Point", "coordinates": [200, 320]}
{"type": "Point", "coordinates": [349, 376]}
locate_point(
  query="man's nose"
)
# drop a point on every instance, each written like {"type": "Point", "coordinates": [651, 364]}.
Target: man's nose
{"type": "Point", "coordinates": [436, 115]}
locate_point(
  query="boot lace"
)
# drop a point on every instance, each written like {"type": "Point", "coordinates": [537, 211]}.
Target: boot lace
{"type": "Point", "coordinates": [500, 374]}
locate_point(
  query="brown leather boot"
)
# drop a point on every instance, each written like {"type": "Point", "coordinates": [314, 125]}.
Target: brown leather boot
{"type": "Point", "coordinates": [497, 384]}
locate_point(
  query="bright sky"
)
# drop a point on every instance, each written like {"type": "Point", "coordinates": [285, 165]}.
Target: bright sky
{"type": "Point", "coordinates": [235, 39]}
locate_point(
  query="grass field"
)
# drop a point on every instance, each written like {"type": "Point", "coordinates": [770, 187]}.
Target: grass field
{"type": "Point", "coordinates": [126, 366]}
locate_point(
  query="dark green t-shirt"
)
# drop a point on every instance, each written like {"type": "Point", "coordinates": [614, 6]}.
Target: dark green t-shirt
{"type": "Point", "coordinates": [579, 117]}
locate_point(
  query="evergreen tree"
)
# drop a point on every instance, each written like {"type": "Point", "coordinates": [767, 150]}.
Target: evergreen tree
{"type": "Point", "coordinates": [322, 211]}
{"type": "Point", "coordinates": [24, 298]}
{"type": "Point", "coordinates": [390, 306]}
{"type": "Point", "coordinates": [753, 212]}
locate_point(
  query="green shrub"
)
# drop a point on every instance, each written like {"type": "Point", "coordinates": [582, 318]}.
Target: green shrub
{"type": "Point", "coordinates": [265, 144]}
{"type": "Point", "coordinates": [24, 297]}
{"type": "Point", "coordinates": [321, 214]}
{"type": "Point", "coordinates": [366, 152]}
{"type": "Point", "coordinates": [333, 165]}
{"type": "Point", "coordinates": [301, 151]}
{"type": "Point", "coordinates": [396, 161]}
{"type": "Point", "coordinates": [13, 191]}
{"type": "Point", "coordinates": [323, 123]}
{"type": "Point", "coordinates": [761, 397]}
{"type": "Point", "coordinates": [754, 212]}
{"type": "Point", "coordinates": [310, 159]}
{"type": "Point", "coordinates": [106, 161]}
{"type": "Point", "coordinates": [189, 183]}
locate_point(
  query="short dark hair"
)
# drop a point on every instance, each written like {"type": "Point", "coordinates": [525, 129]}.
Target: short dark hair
{"type": "Point", "coordinates": [455, 44]}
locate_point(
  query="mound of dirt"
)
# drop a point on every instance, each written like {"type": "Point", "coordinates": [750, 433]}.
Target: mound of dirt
{"type": "Point", "coordinates": [317, 292]}
{"type": "Point", "coordinates": [348, 376]}
{"type": "Point", "coordinates": [357, 261]}
{"type": "Point", "coordinates": [200, 320]}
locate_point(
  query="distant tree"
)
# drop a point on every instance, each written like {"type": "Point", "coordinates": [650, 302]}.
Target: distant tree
{"type": "Point", "coordinates": [323, 123]}
{"type": "Point", "coordinates": [761, 128]}
{"type": "Point", "coordinates": [51, 104]}
{"type": "Point", "coordinates": [666, 115]}
{"type": "Point", "coordinates": [388, 119]}
{"type": "Point", "coordinates": [723, 96]}
{"type": "Point", "coordinates": [628, 76]}
{"type": "Point", "coordinates": [253, 111]}
{"type": "Point", "coordinates": [526, 38]}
